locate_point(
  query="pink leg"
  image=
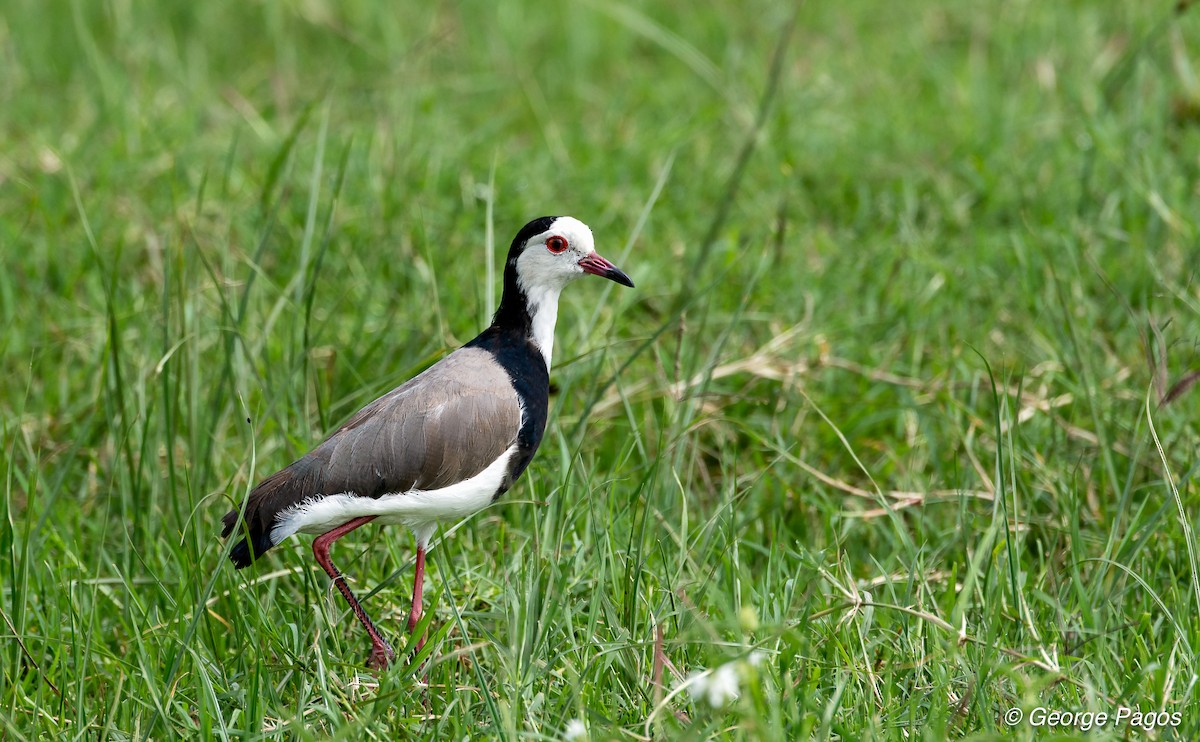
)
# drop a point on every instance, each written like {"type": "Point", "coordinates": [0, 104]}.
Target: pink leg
{"type": "Point", "coordinates": [381, 651]}
{"type": "Point", "coordinates": [414, 615]}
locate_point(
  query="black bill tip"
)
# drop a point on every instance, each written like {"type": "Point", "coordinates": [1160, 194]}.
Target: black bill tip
{"type": "Point", "coordinates": [598, 265]}
{"type": "Point", "coordinates": [616, 274]}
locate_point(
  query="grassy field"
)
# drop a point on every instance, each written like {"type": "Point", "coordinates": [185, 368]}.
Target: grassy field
{"type": "Point", "coordinates": [895, 433]}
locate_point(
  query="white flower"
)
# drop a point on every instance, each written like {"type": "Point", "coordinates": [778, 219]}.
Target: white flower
{"type": "Point", "coordinates": [718, 687]}
{"type": "Point", "coordinates": [756, 657]}
{"type": "Point", "coordinates": [576, 731]}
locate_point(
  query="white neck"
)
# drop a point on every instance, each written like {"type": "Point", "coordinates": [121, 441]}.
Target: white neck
{"type": "Point", "coordinates": [543, 311]}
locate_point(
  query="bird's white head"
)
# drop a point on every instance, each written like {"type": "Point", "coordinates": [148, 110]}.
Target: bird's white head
{"type": "Point", "coordinates": [551, 252]}
{"type": "Point", "coordinates": [546, 255]}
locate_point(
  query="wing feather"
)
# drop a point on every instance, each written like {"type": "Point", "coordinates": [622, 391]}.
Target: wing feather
{"type": "Point", "coordinates": [443, 426]}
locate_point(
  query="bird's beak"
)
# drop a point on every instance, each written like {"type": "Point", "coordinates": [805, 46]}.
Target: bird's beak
{"type": "Point", "coordinates": [598, 266]}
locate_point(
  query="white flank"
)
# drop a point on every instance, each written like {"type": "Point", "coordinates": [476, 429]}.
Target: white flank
{"type": "Point", "coordinates": [420, 510]}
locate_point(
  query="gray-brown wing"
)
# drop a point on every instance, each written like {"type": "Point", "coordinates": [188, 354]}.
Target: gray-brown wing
{"type": "Point", "coordinates": [443, 426]}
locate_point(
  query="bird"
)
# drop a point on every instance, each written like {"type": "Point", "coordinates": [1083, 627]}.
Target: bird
{"type": "Point", "coordinates": [441, 446]}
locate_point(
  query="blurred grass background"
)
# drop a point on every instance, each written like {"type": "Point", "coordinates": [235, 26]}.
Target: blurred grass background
{"type": "Point", "coordinates": [901, 401]}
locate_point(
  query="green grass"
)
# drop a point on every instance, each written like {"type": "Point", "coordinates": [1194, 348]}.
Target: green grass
{"type": "Point", "coordinates": [913, 280]}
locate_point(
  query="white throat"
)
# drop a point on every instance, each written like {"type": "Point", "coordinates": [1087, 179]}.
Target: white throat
{"type": "Point", "coordinates": [543, 311]}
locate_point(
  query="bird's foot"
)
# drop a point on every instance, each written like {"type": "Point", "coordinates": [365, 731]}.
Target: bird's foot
{"type": "Point", "coordinates": [381, 656]}
{"type": "Point", "coordinates": [415, 644]}
{"type": "Point", "coordinates": [413, 640]}
{"type": "Point", "coordinates": [424, 666]}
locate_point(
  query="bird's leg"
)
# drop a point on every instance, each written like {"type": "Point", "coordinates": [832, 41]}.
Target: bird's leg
{"type": "Point", "coordinates": [414, 615]}
{"type": "Point", "coordinates": [381, 651]}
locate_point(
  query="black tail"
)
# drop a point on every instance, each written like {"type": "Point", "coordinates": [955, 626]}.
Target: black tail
{"type": "Point", "coordinates": [248, 549]}
{"type": "Point", "coordinates": [277, 493]}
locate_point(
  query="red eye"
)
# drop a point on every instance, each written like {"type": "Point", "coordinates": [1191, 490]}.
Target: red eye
{"type": "Point", "coordinates": [556, 244]}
